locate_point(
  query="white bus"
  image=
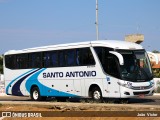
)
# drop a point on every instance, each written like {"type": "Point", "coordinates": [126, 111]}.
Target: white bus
{"type": "Point", "coordinates": [96, 69]}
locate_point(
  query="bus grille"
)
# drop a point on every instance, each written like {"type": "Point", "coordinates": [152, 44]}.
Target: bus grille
{"type": "Point", "coordinates": [141, 88]}
{"type": "Point", "coordinates": [139, 93]}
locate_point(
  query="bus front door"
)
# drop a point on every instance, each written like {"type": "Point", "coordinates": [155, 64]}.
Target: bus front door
{"type": "Point", "coordinates": [113, 88]}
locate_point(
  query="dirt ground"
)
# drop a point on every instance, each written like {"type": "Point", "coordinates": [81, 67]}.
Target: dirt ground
{"type": "Point", "coordinates": [81, 107]}
{"type": "Point", "coordinates": [78, 107]}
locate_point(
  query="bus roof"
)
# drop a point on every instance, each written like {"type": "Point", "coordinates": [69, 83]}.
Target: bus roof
{"type": "Point", "coordinates": [115, 44]}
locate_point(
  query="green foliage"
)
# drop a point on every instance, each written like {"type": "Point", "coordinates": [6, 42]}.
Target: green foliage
{"type": "Point", "coordinates": [1, 105]}
{"type": "Point", "coordinates": [155, 51]}
{"type": "Point", "coordinates": [156, 73]}
{"type": "Point", "coordinates": [1, 65]}
{"type": "Point", "coordinates": [158, 87]}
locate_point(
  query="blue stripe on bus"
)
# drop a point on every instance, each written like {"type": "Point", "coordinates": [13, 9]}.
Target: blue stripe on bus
{"type": "Point", "coordinates": [7, 88]}
{"type": "Point", "coordinates": [16, 87]}
{"type": "Point", "coordinates": [44, 90]}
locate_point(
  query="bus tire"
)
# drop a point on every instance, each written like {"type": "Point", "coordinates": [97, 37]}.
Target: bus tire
{"type": "Point", "coordinates": [35, 94]}
{"type": "Point", "coordinates": [96, 94]}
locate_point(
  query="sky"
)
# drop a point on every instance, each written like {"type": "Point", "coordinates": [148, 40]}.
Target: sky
{"type": "Point", "coordinates": [34, 23]}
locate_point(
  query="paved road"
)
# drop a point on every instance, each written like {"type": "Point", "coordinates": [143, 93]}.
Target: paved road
{"type": "Point", "coordinates": [151, 100]}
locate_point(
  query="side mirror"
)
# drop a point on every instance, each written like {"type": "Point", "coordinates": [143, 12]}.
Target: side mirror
{"type": "Point", "coordinates": [119, 56]}
{"type": "Point", "coordinates": [155, 56]}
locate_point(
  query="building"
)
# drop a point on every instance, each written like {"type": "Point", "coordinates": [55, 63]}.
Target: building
{"type": "Point", "coordinates": [153, 60]}
{"type": "Point", "coordinates": [136, 38]}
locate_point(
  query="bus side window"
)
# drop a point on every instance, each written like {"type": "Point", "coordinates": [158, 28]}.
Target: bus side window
{"type": "Point", "coordinates": [70, 57]}
{"type": "Point", "coordinates": [24, 61]}
{"type": "Point", "coordinates": [17, 63]}
{"type": "Point", "coordinates": [61, 59]}
{"type": "Point", "coordinates": [54, 59]}
{"type": "Point", "coordinates": [88, 58]}
{"type": "Point", "coordinates": [79, 57]}
{"type": "Point", "coordinates": [84, 57]}
{"type": "Point", "coordinates": [10, 61]}
{"type": "Point", "coordinates": [31, 58]}
{"type": "Point", "coordinates": [21, 61]}
{"type": "Point", "coordinates": [50, 59]}
{"type": "Point", "coordinates": [35, 60]}
{"type": "Point", "coordinates": [46, 59]}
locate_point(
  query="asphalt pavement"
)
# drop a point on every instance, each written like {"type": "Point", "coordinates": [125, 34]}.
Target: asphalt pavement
{"type": "Point", "coordinates": [148, 100]}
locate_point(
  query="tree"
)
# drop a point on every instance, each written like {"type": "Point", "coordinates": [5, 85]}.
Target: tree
{"type": "Point", "coordinates": [156, 73]}
{"type": "Point", "coordinates": [155, 51]}
{"type": "Point", "coordinates": [1, 65]}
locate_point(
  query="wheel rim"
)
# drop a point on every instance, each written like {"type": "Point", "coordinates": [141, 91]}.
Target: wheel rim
{"type": "Point", "coordinates": [96, 95]}
{"type": "Point", "coordinates": [35, 95]}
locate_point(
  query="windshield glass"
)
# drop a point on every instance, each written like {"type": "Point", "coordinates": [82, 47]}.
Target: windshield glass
{"type": "Point", "coordinates": [136, 66]}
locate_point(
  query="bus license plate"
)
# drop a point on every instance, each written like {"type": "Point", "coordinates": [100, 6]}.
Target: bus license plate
{"type": "Point", "coordinates": [141, 96]}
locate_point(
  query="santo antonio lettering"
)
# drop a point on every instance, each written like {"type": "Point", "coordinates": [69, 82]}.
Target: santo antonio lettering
{"type": "Point", "coordinates": [69, 74]}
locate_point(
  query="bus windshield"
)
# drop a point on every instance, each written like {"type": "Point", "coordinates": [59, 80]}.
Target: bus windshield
{"type": "Point", "coordinates": [136, 66]}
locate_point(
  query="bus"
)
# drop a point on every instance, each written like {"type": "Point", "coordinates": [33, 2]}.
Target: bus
{"type": "Point", "coordinates": [93, 69]}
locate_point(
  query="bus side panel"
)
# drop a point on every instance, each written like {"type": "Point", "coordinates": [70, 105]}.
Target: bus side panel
{"type": "Point", "coordinates": [77, 87]}
{"type": "Point", "coordinates": [50, 87]}
{"type": "Point", "coordinates": [83, 88]}
{"type": "Point", "coordinates": [13, 80]}
{"type": "Point", "coordinates": [8, 89]}
{"type": "Point", "coordinates": [72, 83]}
{"type": "Point", "coordinates": [105, 88]}
{"type": "Point", "coordinates": [57, 88]}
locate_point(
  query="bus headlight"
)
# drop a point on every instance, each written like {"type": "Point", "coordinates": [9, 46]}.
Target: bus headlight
{"type": "Point", "coordinates": [128, 85]}
{"type": "Point", "coordinates": [151, 84]}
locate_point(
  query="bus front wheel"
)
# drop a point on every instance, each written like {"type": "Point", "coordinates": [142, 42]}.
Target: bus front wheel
{"type": "Point", "coordinates": [35, 94]}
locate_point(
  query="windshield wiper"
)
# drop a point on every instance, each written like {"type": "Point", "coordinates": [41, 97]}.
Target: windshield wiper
{"type": "Point", "coordinates": [129, 77]}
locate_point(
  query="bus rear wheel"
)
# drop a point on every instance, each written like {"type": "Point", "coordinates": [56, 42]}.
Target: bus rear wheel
{"type": "Point", "coordinates": [96, 94]}
{"type": "Point", "coordinates": [35, 94]}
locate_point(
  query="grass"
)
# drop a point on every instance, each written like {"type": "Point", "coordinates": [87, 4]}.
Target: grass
{"type": "Point", "coordinates": [1, 105]}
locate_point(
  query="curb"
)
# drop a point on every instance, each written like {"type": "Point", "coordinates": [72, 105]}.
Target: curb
{"type": "Point", "coordinates": [3, 94]}
{"type": "Point", "coordinates": [156, 94]}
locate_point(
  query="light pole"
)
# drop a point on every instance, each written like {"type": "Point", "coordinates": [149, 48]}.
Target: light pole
{"type": "Point", "coordinates": [97, 31]}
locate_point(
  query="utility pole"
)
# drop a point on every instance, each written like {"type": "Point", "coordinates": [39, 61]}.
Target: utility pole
{"type": "Point", "coordinates": [97, 31]}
